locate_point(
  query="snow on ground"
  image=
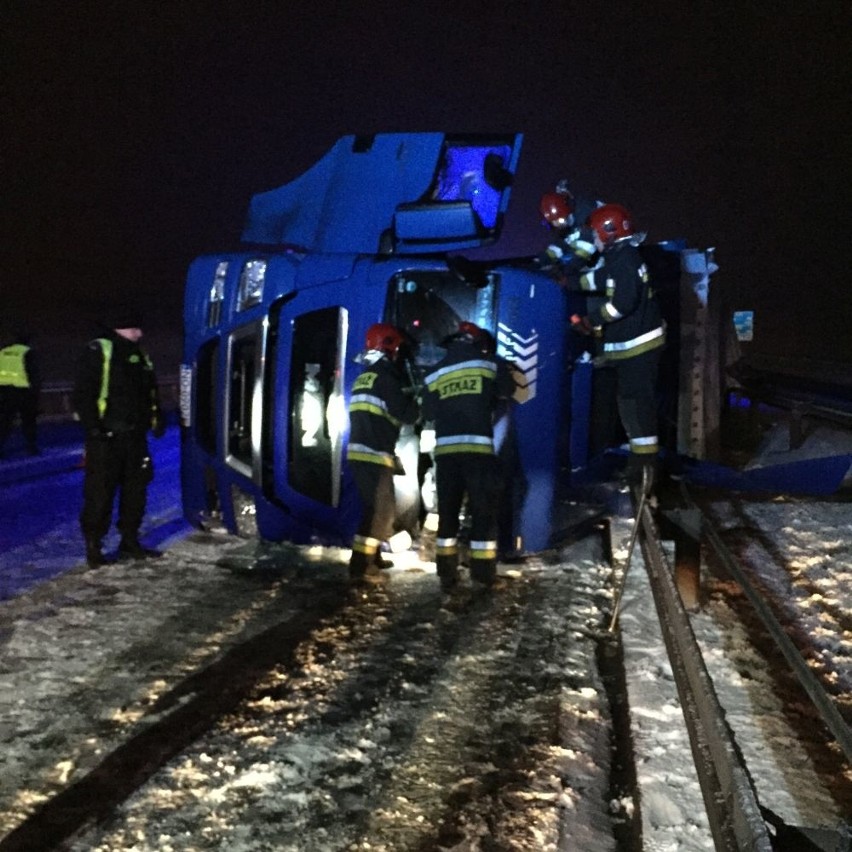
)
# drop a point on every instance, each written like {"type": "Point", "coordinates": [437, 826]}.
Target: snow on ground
{"type": "Point", "coordinates": [404, 717]}
{"type": "Point", "coordinates": [394, 701]}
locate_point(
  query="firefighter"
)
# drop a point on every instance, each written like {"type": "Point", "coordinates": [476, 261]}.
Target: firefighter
{"type": "Point", "coordinates": [633, 334]}
{"type": "Point", "coordinates": [117, 402]}
{"type": "Point", "coordinates": [20, 386]}
{"type": "Point", "coordinates": [571, 255]}
{"type": "Point", "coordinates": [461, 396]}
{"type": "Point", "coordinates": [571, 259]}
{"type": "Point", "coordinates": [382, 401]}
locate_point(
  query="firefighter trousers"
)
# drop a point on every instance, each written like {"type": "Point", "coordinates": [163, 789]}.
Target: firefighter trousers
{"type": "Point", "coordinates": [378, 502]}
{"type": "Point", "coordinates": [637, 407]}
{"type": "Point", "coordinates": [636, 395]}
{"type": "Point", "coordinates": [118, 465]}
{"type": "Point", "coordinates": [476, 476]}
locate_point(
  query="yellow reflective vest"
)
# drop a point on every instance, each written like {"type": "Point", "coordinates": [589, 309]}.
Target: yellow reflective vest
{"type": "Point", "coordinates": [13, 371]}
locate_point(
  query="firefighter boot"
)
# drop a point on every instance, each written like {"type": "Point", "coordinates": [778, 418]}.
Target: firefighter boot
{"type": "Point", "coordinates": [363, 567]}
{"type": "Point", "coordinates": [483, 571]}
{"type": "Point", "coordinates": [381, 563]}
{"type": "Point", "coordinates": [448, 572]}
{"type": "Point", "coordinates": [130, 548]}
{"type": "Point", "coordinates": [94, 555]}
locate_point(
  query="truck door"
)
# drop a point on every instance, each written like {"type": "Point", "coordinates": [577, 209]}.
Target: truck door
{"type": "Point", "coordinates": [304, 415]}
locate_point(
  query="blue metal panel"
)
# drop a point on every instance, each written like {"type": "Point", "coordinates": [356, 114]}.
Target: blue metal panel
{"type": "Point", "coordinates": [305, 519]}
{"type": "Point", "coordinates": [283, 267]}
{"type": "Point", "coordinates": [347, 201]}
{"type": "Point", "coordinates": [531, 319]}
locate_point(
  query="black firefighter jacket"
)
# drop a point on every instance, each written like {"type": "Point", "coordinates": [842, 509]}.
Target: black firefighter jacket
{"type": "Point", "coordinates": [378, 408]}
{"type": "Point", "coordinates": [630, 316]}
{"type": "Point", "coordinates": [462, 393]}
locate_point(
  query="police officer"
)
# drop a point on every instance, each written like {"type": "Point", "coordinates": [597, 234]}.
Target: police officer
{"type": "Point", "coordinates": [633, 333]}
{"type": "Point", "coordinates": [20, 385]}
{"type": "Point", "coordinates": [462, 393]}
{"type": "Point", "coordinates": [117, 402]}
{"type": "Point", "coordinates": [382, 401]}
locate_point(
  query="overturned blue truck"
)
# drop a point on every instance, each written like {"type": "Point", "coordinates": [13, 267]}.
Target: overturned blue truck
{"type": "Point", "coordinates": [375, 231]}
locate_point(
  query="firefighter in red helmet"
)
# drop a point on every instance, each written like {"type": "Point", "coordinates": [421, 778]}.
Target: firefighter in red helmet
{"type": "Point", "coordinates": [462, 393]}
{"type": "Point", "coordinates": [571, 253]}
{"type": "Point", "coordinates": [633, 333]}
{"type": "Point", "coordinates": [557, 209]}
{"type": "Point", "coordinates": [381, 403]}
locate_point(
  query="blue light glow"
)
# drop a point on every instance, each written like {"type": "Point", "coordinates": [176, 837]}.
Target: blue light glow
{"type": "Point", "coordinates": [462, 178]}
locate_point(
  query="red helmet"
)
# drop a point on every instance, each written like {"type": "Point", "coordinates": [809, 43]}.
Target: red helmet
{"type": "Point", "coordinates": [557, 208]}
{"type": "Point", "coordinates": [471, 329]}
{"type": "Point", "coordinates": [384, 337]}
{"type": "Point", "coordinates": [611, 222]}
{"type": "Point", "coordinates": [478, 336]}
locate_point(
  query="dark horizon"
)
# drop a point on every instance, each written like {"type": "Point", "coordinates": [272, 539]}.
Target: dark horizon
{"type": "Point", "coordinates": [137, 136]}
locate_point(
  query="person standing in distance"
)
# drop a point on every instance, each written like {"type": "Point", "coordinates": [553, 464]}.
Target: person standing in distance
{"type": "Point", "coordinates": [633, 334]}
{"type": "Point", "coordinates": [117, 402]}
{"type": "Point", "coordinates": [462, 394]}
{"type": "Point", "coordinates": [381, 403]}
{"type": "Point", "coordinates": [20, 386]}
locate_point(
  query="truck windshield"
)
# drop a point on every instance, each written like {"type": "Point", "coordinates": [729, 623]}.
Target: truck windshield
{"type": "Point", "coordinates": [429, 304]}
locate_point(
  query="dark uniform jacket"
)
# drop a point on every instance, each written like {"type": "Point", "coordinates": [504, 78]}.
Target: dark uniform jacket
{"type": "Point", "coordinates": [116, 389]}
{"type": "Point", "coordinates": [630, 316]}
{"type": "Point", "coordinates": [378, 408]}
{"type": "Point", "coordinates": [462, 393]}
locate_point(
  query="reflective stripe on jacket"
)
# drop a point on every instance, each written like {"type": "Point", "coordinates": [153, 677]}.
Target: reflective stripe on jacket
{"type": "Point", "coordinates": [630, 317]}
{"type": "Point", "coordinates": [461, 396]}
{"type": "Point", "coordinates": [378, 408]}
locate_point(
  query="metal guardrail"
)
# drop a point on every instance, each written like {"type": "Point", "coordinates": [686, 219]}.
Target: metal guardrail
{"type": "Point", "coordinates": [737, 820]}
{"type": "Point", "coordinates": [825, 397]}
{"type": "Point", "coordinates": [733, 809]}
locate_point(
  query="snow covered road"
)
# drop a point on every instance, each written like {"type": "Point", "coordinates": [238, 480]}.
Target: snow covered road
{"type": "Point", "coordinates": [405, 720]}
{"type": "Point", "coordinates": [241, 696]}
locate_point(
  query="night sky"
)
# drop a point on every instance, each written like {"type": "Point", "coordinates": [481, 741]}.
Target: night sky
{"type": "Point", "coordinates": [135, 134]}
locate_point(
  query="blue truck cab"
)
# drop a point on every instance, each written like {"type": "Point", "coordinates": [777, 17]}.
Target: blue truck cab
{"type": "Point", "coordinates": [368, 234]}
